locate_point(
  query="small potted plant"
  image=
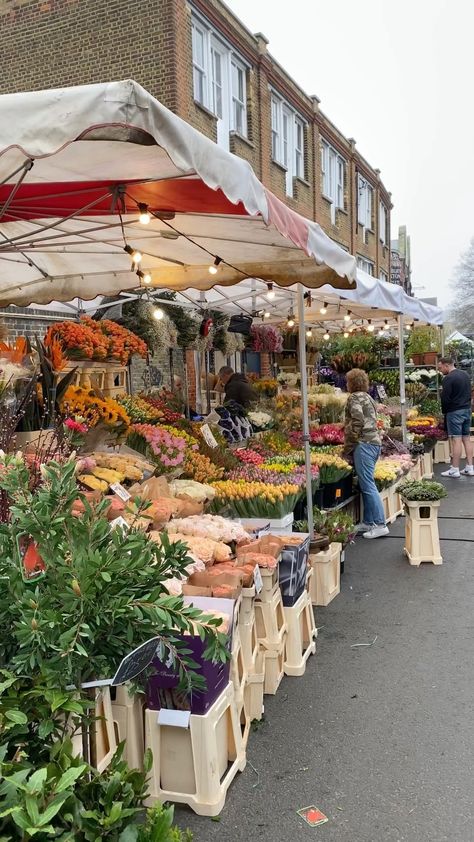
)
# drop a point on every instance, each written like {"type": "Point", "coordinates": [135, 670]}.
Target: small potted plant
{"type": "Point", "coordinates": [421, 499]}
{"type": "Point", "coordinates": [423, 346]}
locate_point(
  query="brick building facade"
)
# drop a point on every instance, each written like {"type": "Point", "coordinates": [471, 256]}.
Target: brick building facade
{"type": "Point", "coordinates": [200, 61]}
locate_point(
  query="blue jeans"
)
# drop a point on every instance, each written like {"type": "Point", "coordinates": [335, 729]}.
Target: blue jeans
{"type": "Point", "coordinates": [365, 457]}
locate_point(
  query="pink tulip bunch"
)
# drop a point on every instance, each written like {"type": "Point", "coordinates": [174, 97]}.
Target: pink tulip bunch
{"type": "Point", "coordinates": [168, 450]}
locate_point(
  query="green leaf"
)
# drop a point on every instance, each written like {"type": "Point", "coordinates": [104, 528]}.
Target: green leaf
{"type": "Point", "coordinates": [115, 812]}
{"type": "Point", "coordinates": [53, 808]}
{"type": "Point", "coordinates": [70, 776]}
{"type": "Point", "coordinates": [31, 804]}
{"type": "Point", "coordinates": [36, 781]}
{"type": "Point", "coordinates": [16, 716]}
{"type": "Point", "coordinates": [46, 728]}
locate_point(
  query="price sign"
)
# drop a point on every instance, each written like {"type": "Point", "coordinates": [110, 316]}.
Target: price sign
{"type": "Point", "coordinates": [381, 392]}
{"type": "Point", "coordinates": [257, 579]}
{"type": "Point", "coordinates": [207, 436]}
{"type": "Point", "coordinates": [120, 523]}
{"type": "Point", "coordinates": [120, 491]}
{"type": "Point", "coordinates": [136, 662]}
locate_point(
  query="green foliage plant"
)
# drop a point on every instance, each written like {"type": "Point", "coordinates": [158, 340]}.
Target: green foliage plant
{"type": "Point", "coordinates": [422, 490]}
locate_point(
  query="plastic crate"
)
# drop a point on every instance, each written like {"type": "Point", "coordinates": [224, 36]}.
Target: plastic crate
{"type": "Point", "coordinates": [293, 568]}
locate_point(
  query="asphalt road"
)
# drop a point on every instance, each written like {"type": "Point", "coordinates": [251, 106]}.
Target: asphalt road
{"type": "Point", "coordinates": [379, 738]}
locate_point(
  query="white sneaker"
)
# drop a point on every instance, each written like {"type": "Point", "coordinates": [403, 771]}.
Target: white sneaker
{"type": "Point", "coordinates": [376, 532]}
{"type": "Point", "coordinates": [451, 472]}
{"type": "Point", "coordinates": [362, 527]}
{"type": "Point", "coordinates": [468, 471]}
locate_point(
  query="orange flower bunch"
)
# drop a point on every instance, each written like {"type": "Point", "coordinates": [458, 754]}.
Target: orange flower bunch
{"type": "Point", "coordinates": [77, 341]}
{"type": "Point", "coordinates": [15, 351]}
{"type": "Point", "coordinates": [121, 343]}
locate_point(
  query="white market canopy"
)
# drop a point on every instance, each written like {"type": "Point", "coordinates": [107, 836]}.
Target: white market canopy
{"type": "Point", "coordinates": [76, 163]}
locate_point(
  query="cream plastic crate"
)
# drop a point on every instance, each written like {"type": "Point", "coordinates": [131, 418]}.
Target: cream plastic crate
{"type": "Point", "coordinates": [325, 583]}
{"type": "Point", "coordinates": [238, 669]}
{"type": "Point", "coordinates": [102, 741]}
{"type": "Point", "coordinates": [269, 584]}
{"type": "Point", "coordinates": [398, 502]}
{"type": "Point", "coordinates": [421, 532]}
{"type": "Point", "coordinates": [270, 620]}
{"type": "Point", "coordinates": [301, 637]}
{"type": "Point", "coordinates": [195, 765]}
{"type": "Point", "coordinates": [427, 465]}
{"type": "Point", "coordinates": [250, 643]}
{"type": "Point", "coordinates": [441, 453]}
{"type": "Point", "coordinates": [128, 716]}
{"type": "Point", "coordinates": [115, 381]}
{"type": "Point", "coordinates": [246, 605]}
{"type": "Point", "coordinates": [254, 689]}
{"type": "Point", "coordinates": [274, 668]}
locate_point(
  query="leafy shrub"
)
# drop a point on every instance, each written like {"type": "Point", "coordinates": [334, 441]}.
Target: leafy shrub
{"type": "Point", "coordinates": [422, 489]}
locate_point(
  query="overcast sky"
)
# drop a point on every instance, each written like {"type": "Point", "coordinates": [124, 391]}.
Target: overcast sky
{"type": "Point", "coordinates": [398, 78]}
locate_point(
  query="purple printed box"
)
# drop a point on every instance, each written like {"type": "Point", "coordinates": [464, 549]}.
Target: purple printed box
{"type": "Point", "coordinates": [162, 689]}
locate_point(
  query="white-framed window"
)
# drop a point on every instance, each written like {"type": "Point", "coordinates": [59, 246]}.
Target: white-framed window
{"type": "Point", "coordinates": [383, 276]}
{"type": "Point", "coordinates": [383, 223]}
{"type": "Point", "coordinates": [366, 265]}
{"type": "Point", "coordinates": [239, 102]}
{"type": "Point", "coordinates": [288, 132]}
{"type": "Point", "coordinates": [365, 203]}
{"type": "Point", "coordinates": [333, 168]}
{"type": "Point", "coordinates": [219, 80]}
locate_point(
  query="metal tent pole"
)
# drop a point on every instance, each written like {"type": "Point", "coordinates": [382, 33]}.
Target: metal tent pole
{"type": "Point", "coordinates": [304, 402]}
{"type": "Point", "coordinates": [401, 358]}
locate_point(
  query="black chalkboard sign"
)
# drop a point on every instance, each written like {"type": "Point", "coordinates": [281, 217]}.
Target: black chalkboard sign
{"type": "Point", "coordinates": [136, 662]}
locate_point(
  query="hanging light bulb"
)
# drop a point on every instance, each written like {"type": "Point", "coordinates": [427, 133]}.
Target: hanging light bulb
{"type": "Point", "coordinates": [158, 313]}
{"type": "Point", "coordinates": [323, 310]}
{"type": "Point", "coordinates": [346, 334]}
{"type": "Point", "coordinates": [407, 327]}
{"type": "Point", "coordinates": [266, 314]}
{"type": "Point", "coordinates": [144, 217]}
{"type": "Point", "coordinates": [291, 319]}
{"type": "Point", "coordinates": [147, 278]}
{"type": "Point", "coordinates": [213, 267]}
{"type": "Point", "coordinates": [326, 336]}
{"type": "Point", "coordinates": [309, 332]}
{"type": "Point", "coordinates": [134, 253]}
{"type": "Point", "coordinates": [370, 326]}
{"type": "Point", "coordinates": [386, 324]}
{"type": "Point", "coordinates": [270, 292]}
{"type": "Point", "coordinates": [347, 317]}
{"type": "Point", "coordinates": [381, 331]}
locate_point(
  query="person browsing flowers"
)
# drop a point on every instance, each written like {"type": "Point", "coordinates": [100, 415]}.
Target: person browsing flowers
{"type": "Point", "coordinates": [362, 441]}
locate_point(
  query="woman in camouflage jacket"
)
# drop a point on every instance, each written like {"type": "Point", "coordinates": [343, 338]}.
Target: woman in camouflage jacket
{"type": "Point", "coordinates": [362, 442]}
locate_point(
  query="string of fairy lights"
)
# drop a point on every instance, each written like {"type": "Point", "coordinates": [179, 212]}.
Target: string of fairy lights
{"type": "Point", "coordinates": [145, 279]}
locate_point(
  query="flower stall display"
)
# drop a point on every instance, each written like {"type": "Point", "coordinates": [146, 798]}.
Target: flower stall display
{"type": "Point", "coordinates": [265, 386]}
{"type": "Point", "coordinates": [94, 411]}
{"type": "Point", "coordinates": [331, 468]}
{"type": "Point", "coordinates": [95, 340]}
{"type": "Point", "coordinates": [200, 468]}
{"type": "Point", "coordinates": [260, 421]}
{"type": "Point", "coordinates": [332, 434]}
{"type": "Point", "coordinates": [266, 338]}
{"type": "Point", "coordinates": [166, 450]}
{"type": "Point", "coordinates": [121, 342]}
{"type": "Point", "coordinates": [255, 499]}
{"type": "Point", "coordinates": [140, 411]}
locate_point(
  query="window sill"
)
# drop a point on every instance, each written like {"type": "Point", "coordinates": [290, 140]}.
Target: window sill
{"type": "Point", "coordinates": [242, 137]}
{"type": "Point", "coordinates": [280, 166]}
{"type": "Point", "coordinates": [300, 180]}
{"type": "Point", "coordinates": [342, 210]}
{"type": "Point", "coordinates": [205, 109]}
